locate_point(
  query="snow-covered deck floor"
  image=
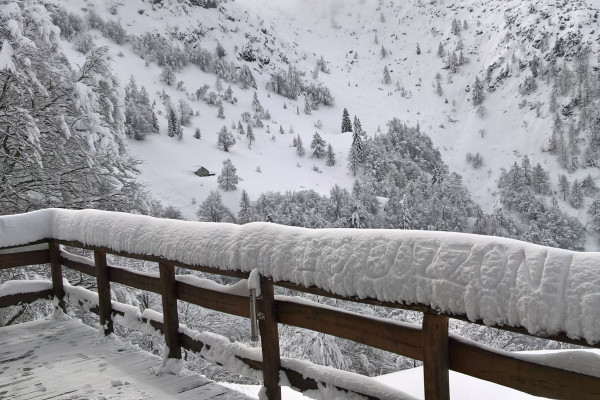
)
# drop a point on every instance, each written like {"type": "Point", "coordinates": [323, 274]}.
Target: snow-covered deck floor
{"type": "Point", "coordinates": [51, 359]}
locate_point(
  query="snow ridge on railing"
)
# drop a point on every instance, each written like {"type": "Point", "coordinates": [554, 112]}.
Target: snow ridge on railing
{"type": "Point", "coordinates": [500, 281]}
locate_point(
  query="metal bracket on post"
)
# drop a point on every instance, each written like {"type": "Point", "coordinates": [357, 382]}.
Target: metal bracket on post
{"type": "Point", "coordinates": [254, 288]}
{"type": "Point", "coordinates": [253, 317]}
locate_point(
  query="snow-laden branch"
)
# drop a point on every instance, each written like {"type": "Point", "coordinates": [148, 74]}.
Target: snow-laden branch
{"type": "Point", "coordinates": [500, 281]}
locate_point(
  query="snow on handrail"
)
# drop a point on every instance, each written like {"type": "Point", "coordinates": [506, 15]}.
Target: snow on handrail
{"type": "Point", "coordinates": [500, 281]}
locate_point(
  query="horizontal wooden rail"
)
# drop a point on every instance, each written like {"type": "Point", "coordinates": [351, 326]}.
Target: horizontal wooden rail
{"type": "Point", "coordinates": [25, 298]}
{"type": "Point", "coordinates": [385, 335]}
{"type": "Point", "coordinates": [526, 376]}
{"type": "Point", "coordinates": [31, 257]}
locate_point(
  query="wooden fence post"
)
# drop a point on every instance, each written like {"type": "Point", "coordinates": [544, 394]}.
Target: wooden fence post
{"type": "Point", "coordinates": [103, 281]}
{"type": "Point", "coordinates": [436, 357]}
{"type": "Point", "coordinates": [269, 335]}
{"type": "Point", "coordinates": [169, 303]}
{"type": "Point", "coordinates": [56, 271]}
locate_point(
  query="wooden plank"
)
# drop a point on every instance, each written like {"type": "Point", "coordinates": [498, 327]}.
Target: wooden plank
{"type": "Point", "coordinates": [78, 266]}
{"type": "Point", "coordinates": [24, 298]}
{"type": "Point", "coordinates": [215, 300]}
{"type": "Point", "coordinates": [528, 377]}
{"type": "Point", "coordinates": [136, 280]}
{"type": "Point", "coordinates": [34, 257]}
{"type": "Point", "coordinates": [559, 337]}
{"type": "Point", "coordinates": [374, 302]}
{"type": "Point", "coordinates": [388, 336]}
{"type": "Point", "coordinates": [169, 303]}
{"type": "Point", "coordinates": [435, 357]}
{"type": "Point", "coordinates": [103, 281]}
{"type": "Point", "coordinates": [269, 335]}
{"type": "Point", "coordinates": [57, 276]}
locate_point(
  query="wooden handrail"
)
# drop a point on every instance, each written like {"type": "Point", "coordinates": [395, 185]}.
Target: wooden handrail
{"type": "Point", "coordinates": [430, 343]}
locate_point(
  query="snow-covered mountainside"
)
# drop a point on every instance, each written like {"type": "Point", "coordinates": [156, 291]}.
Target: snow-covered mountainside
{"type": "Point", "coordinates": [498, 86]}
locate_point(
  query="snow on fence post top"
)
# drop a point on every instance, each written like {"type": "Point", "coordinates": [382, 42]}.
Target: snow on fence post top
{"type": "Point", "coordinates": [498, 280]}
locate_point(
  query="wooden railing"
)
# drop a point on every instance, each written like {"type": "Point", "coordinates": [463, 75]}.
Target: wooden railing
{"type": "Point", "coordinates": [430, 343]}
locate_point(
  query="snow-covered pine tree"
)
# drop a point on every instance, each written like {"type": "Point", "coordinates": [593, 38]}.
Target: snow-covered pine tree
{"type": "Point", "coordinates": [225, 139]}
{"type": "Point", "coordinates": [478, 93]}
{"type": "Point", "coordinates": [307, 105]}
{"type": "Point", "coordinates": [576, 199]}
{"type": "Point", "coordinates": [563, 186]}
{"type": "Point", "coordinates": [256, 106]}
{"type": "Point", "coordinates": [168, 75]}
{"type": "Point", "coordinates": [346, 123]}
{"type": "Point", "coordinates": [318, 145]}
{"type": "Point", "coordinates": [387, 79]}
{"type": "Point", "coordinates": [213, 210]}
{"type": "Point", "coordinates": [300, 151]}
{"type": "Point", "coordinates": [244, 214]}
{"type": "Point", "coordinates": [221, 111]}
{"type": "Point", "coordinates": [172, 123]}
{"type": "Point", "coordinates": [228, 178]}
{"type": "Point", "coordinates": [228, 95]}
{"type": "Point", "coordinates": [440, 51]}
{"type": "Point", "coordinates": [353, 160]}
{"type": "Point", "coordinates": [250, 135]}
{"type": "Point", "coordinates": [330, 156]}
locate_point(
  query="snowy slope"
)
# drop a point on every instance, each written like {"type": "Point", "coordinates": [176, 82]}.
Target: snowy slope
{"type": "Point", "coordinates": [344, 33]}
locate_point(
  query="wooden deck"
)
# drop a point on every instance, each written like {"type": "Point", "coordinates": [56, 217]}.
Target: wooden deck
{"type": "Point", "coordinates": [53, 359]}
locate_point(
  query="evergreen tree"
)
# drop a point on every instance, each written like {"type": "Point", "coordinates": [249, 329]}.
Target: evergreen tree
{"type": "Point", "coordinates": [478, 94]}
{"type": "Point", "coordinates": [256, 106]}
{"type": "Point", "coordinates": [300, 147]}
{"type": "Point", "coordinates": [228, 96]}
{"type": "Point", "coordinates": [354, 161]}
{"type": "Point", "coordinates": [244, 214]}
{"type": "Point", "coordinates": [221, 112]}
{"type": "Point", "coordinates": [346, 123]}
{"type": "Point", "coordinates": [228, 178]}
{"type": "Point", "coordinates": [172, 123]}
{"type": "Point", "coordinates": [418, 49]}
{"type": "Point", "coordinates": [197, 134]}
{"type": "Point", "coordinates": [225, 139]}
{"type": "Point", "coordinates": [185, 112]}
{"type": "Point", "coordinates": [440, 51]}
{"type": "Point", "coordinates": [387, 79]}
{"type": "Point", "coordinates": [383, 52]}
{"type": "Point", "coordinates": [213, 209]}
{"type": "Point", "coordinates": [168, 76]}
{"type": "Point", "coordinates": [576, 198]}
{"type": "Point", "coordinates": [330, 156]}
{"type": "Point", "coordinates": [281, 131]}
{"type": "Point", "coordinates": [563, 186]}
{"type": "Point", "coordinates": [318, 145]}
{"type": "Point", "coordinates": [250, 135]}
{"type": "Point", "coordinates": [307, 106]}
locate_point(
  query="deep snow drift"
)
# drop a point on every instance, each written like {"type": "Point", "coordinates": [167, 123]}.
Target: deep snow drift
{"type": "Point", "coordinates": [498, 280]}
